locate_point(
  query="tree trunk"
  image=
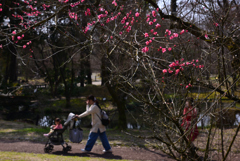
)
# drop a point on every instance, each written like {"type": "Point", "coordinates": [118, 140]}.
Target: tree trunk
{"type": "Point", "coordinates": [118, 98]}
{"type": "Point", "coordinates": [13, 65]}
{"type": "Point", "coordinates": [88, 71]}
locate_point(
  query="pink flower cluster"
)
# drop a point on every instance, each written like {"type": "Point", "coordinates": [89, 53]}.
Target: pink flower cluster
{"type": "Point", "coordinates": [87, 12]}
{"type": "Point", "coordinates": [0, 7]}
{"type": "Point", "coordinates": [73, 15]}
{"type": "Point", "coordinates": [63, 1]}
{"type": "Point", "coordinates": [24, 46]}
{"type": "Point", "coordinates": [178, 66]}
{"type": "Point", "coordinates": [216, 24]}
{"type": "Point", "coordinates": [103, 15]}
{"type": "Point", "coordinates": [145, 49]}
{"type": "Point", "coordinates": [32, 13]}
{"type": "Point", "coordinates": [174, 35]}
{"type": "Point", "coordinates": [112, 18]}
{"type": "Point", "coordinates": [17, 16]}
{"type": "Point", "coordinates": [45, 6]}
{"type": "Point", "coordinates": [76, 3]}
{"type": "Point", "coordinates": [189, 85]}
{"type": "Point", "coordinates": [182, 32]}
{"type": "Point", "coordinates": [26, 2]}
{"type": "Point", "coordinates": [157, 26]}
{"type": "Point", "coordinates": [1, 46]}
{"type": "Point", "coordinates": [114, 2]}
{"type": "Point", "coordinates": [154, 14]}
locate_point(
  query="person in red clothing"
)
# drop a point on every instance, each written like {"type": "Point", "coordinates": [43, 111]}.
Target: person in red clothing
{"type": "Point", "coordinates": [189, 119]}
{"type": "Point", "coordinates": [57, 125]}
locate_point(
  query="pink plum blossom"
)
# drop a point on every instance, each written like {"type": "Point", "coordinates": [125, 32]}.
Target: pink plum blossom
{"type": "Point", "coordinates": [177, 71]}
{"type": "Point", "coordinates": [136, 14]}
{"type": "Point", "coordinates": [24, 46]}
{"type": "Point", "coordinates": [129, 28]}
{"type": "Point", "coordinates": [170, 71]}
{"type": "Point", "coordinates": [154, 14]}
{"type": "Point", "coordinates": [175, 35]}
{"type": "Point", "coordinates": [182, 32]}
{"type": "Point", "coordinates": [158, 25]}
{"type": "Point", "coordinates": [114, 3]}
{"type": "Point", "coordinates": [169, 32]}
{"type": "Point", "coordinates": [164, 50]}
{"type": "Point", "coordinates": [146, 35]}
{"type": "Point", "coordinates": [164, 70]}
{"type": "Point", "coordinates": [145, 49]}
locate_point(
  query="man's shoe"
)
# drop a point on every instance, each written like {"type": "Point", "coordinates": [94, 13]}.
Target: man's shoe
{"type": "Point", "coordinates": [84, 151]}
{"type": "Point", "coordinates": [108, 151]}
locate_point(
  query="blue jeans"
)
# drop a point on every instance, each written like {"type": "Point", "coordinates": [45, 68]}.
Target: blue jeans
{"type": "Point", "coordinates": [92, 138]}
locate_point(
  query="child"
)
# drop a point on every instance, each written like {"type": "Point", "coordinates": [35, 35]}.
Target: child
{"type": "Point", "coordinates": [57, 125]}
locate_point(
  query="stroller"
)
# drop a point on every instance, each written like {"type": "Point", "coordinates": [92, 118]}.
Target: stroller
{"type": "Point", "coordinates": [56, 138]}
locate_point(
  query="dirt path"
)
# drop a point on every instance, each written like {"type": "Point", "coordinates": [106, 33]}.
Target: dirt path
{"type": "Point", "coordinates": [118, 152]}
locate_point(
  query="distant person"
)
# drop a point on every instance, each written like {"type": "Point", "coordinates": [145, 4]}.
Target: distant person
{"type": "Point", "coordinates": [57, 125]}
{"type": "Point", "coordinates": [189, 119]}
{"type": "Point", "coordinates": [97, 128]}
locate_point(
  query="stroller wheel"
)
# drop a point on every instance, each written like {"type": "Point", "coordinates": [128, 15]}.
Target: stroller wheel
{"type": "Point", "coordinates": [69, 147]}
{"type": "Point", "coordinates": [46, 149]}
{"type": "Point", "coordinates": [65, 149]}
{"type": "Point", "coordinates": [50, 148]}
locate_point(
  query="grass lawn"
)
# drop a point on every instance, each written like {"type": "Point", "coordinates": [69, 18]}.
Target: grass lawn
{"type": "Point", "coordinates": [44, 157]}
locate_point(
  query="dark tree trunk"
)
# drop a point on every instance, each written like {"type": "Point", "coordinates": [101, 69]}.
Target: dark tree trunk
{"type": "Point", "coordinates": [13, 64]}
{"type": "Point", "coordinates": [119, 100]}
{"type": "Point", "coordinates": [103, 72]}
{"type": "Point", "coordinates": [82, 73]}
{"type": "Point", "coordinates": [117, 96]}
{"type": "Point", "coordinates": [88, 71]}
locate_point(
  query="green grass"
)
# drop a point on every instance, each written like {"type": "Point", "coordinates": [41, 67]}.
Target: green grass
{"type": "Point", "coordinates": [8, 156]}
